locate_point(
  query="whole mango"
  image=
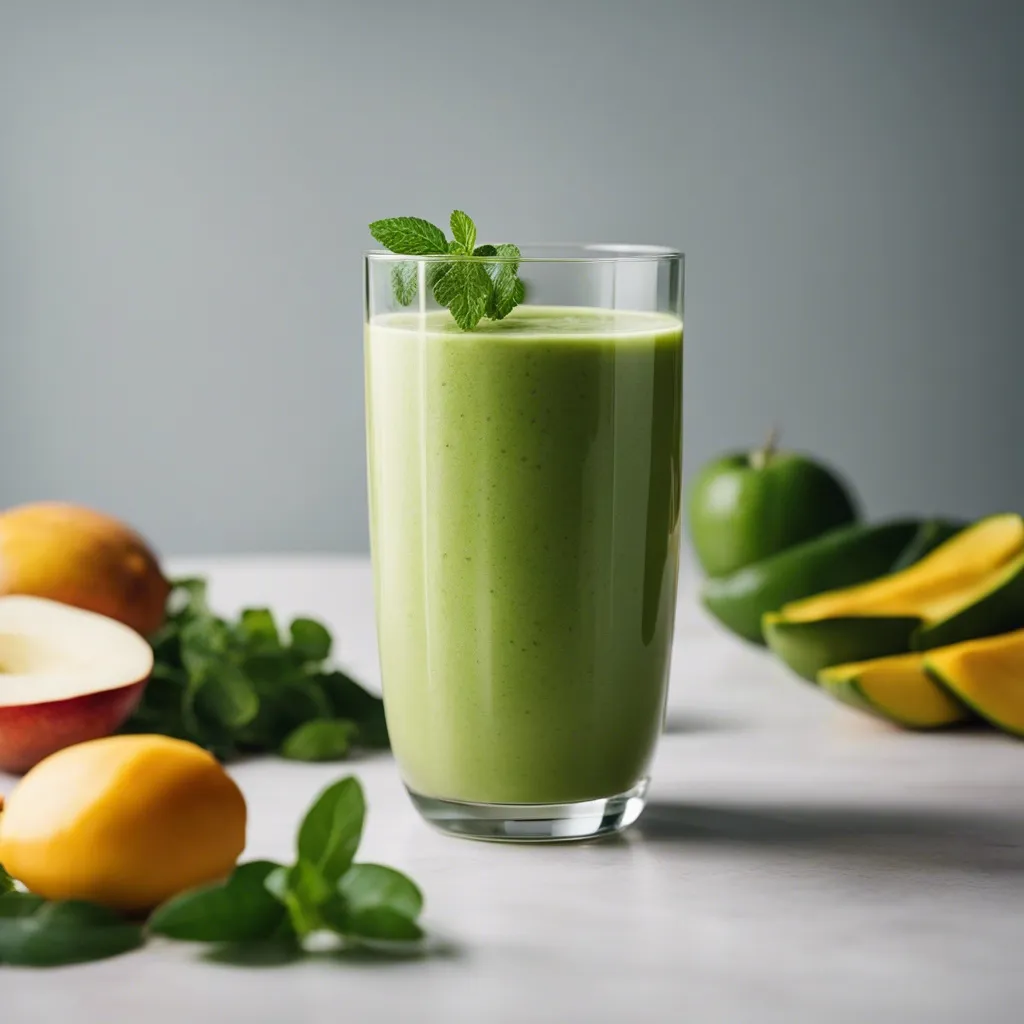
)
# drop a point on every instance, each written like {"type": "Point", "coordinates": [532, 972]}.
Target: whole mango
{"type": "Point", "coordinates": [125, 821]}
{"type": "Point", "coordinates": [84, 558]}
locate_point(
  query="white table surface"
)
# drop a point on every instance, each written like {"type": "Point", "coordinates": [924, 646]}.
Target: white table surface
{"type": "Point", "coordinates": [797, 862]}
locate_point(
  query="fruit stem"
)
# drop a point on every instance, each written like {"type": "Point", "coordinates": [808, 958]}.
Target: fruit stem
{"type": "Point", "coordinates": [760, 457]}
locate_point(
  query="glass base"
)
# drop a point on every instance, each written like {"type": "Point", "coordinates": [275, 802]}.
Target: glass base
{"type": "Point", "coordinates": [533, 823]}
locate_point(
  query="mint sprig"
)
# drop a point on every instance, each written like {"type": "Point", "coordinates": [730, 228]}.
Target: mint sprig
{"type": "Point", "coordinates": [324, 891]}
{"type": "Point", "coordinates": [470, 287]}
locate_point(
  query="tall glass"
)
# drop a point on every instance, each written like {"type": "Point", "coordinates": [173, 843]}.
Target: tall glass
{"type": "Point", "coordinates": [524, 482]}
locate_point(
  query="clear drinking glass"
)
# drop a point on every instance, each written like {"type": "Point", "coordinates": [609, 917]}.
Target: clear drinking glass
{"type": "Point", "coordinates": [524, 483]}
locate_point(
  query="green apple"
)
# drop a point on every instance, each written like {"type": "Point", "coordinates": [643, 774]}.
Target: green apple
{"type": "Point", "coordinates": [749, 505]}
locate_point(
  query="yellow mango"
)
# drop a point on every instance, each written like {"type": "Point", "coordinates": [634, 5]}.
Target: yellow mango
{"type": "Point", "coordinates": [897, 689]}
{"type": "Point", "coordinates": [80, 557]}
{"type": "Point", "coordinates": [970, 586]}
{"type": "Point", "coordinates": [125, 821]}
{"type": "Point", "coordinates": [949, 578]}
{"type": "Point", "coordinates": [987, 675]}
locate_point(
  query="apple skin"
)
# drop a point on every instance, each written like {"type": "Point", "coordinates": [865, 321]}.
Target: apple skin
{"type": "Point", "coordinates": [748, 506]}
{"type": "Point", "coordinates": [31, 732]}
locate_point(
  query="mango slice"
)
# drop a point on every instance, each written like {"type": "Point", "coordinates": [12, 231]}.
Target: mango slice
{"type": "Point", "coordinates": [971, 586]}
{"type": "Point", "coordinates": [987, 675]}
{"type": "Point", "coordinates": [897, 689]}
{"type": "Point", "coordinates": [941, 582]}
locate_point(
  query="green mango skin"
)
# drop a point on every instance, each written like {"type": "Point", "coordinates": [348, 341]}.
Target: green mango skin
{"type": "Point", "coordinates": [740, 512]}
{"type": "Point", "coordinates": [842, 557]}
{"type": "Point", "coordinates": [1001, 610]}
{"type": "Point", "coordinates": [809, 647]}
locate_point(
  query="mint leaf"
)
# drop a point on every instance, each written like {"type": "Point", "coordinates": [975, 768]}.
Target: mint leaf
{"type": "Point", "coordinates": [65, 933]}
{"type": "Point", "coordinates": [258, 630]}
{"type": "Point", "coordinates": [379, 924]}
{"type": "Point", "coordinates": [322, 739]}
{"type": "Point", "coordinates": [302, 890]}
{"type": "Point", "coordinates": [508, 288]}
{"type": "Point", "coordinates": [187, 597]}
{"type": "Point", "coordinates": [403, 282]}
{"type": "Point", "coordinates": [310, 640]}
{"type": "Point", "coordinates": [238, 910]}
{"type": "Point", "coordinates": [204, 641]}
{"type": "Point", "coordinates": [330, 833]}
{"type": "Point", "coordinates": [6, 882]}
{"type": "Point", "coordinates": [485, 250]}
{"type": "Point", "coordinates": [410, 236]}
{"type": "Point", "coordinates": [373, 732]}
{"type": "Point", "coordinates": [372, 885]}
{"type": "Point", "coordinates": [464, 286]}
{"type": "Point", "coordinates": [349, 700]}
{"type": "Point", "coordinates": [463, 231]}
{"type": "Point", "coordinates": [19, 904]}
{"type": "Point", "coordinates": [227, 696]}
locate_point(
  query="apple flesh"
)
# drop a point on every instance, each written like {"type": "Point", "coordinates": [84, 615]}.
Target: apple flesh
{"type": "Point", "coordinates": [66, 676]}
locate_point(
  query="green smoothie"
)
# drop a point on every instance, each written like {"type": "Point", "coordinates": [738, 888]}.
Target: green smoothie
{"type": "Point", "coordinates": [524, 511]}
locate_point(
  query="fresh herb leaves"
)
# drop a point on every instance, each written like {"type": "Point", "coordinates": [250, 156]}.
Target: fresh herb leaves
{"type": "Point", "coordinates": [463, 231]}
{"type": "Point", "coordinates": [239, 687]}
{"type": "Point", "coordinates": [34, 933]}
{"type": "Point", "coordinates": [465, 288]}
{"type": "Point", "coordinates": [323, 891]}
{"type": "Point", "coordinates": [330, 833]}
{"type": "Point", "coordinates": [365, 886]}
{"type": "Point", "coordinates": [241, 909]}
{"type": "Point", "coordinates": [508, 288]}
{"type": "Point", "coordinates": [410, 236]}
{"type": "Point", "coordinates": [6, 882]}
{"type": "Point", "coordinates": [469, 287]}
{"type": "Point", "coordinates": [320, 739]}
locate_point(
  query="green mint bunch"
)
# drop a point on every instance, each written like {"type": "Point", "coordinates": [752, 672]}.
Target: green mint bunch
{"type": "Point", "coordinates": [263, 908]}
{"type": "Point", "coordinates": [239, 687]}
{"type": "Point", "coordinates": [471, 287]}
{"type": "Point", "coordinates": [323, 891]}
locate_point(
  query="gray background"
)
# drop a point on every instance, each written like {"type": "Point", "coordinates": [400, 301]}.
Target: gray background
{"type": "Point", "coordinates": [184, 189]}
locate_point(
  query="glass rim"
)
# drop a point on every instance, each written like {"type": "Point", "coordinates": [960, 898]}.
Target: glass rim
{"type": "Point", "coordinates": [548, 252]}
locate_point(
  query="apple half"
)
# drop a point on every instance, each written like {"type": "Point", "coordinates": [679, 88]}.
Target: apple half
{"type": "Point", "coordinates": [66, 676]}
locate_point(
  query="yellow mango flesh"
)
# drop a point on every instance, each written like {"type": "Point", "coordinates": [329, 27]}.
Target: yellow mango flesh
{"type": "Point", "coordinates": [898, 688]}
{"type": "Point", "coordinates": [953, 576]}
{"type": "Point", "coordinates": [987, 675]}
{"type": "Point", "coordinates": [126, 821]}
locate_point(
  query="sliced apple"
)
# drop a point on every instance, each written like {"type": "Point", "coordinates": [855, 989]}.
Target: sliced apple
{"type": "Point", "coordinates": [66, 676]}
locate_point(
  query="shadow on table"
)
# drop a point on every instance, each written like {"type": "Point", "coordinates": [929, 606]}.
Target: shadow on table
{"type": "Point", "coordinates": [677, 722]}
{"type": "Point", "coordinates": [904, 837]}
{"type": "Point", "coordinates": [279, 954]}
